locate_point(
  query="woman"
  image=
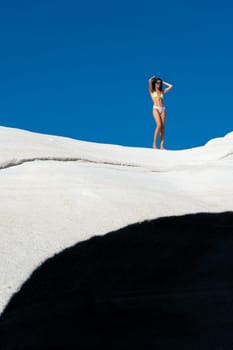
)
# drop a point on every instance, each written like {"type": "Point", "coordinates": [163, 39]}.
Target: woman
{"type": "Point", "coordinates": [159, 111]}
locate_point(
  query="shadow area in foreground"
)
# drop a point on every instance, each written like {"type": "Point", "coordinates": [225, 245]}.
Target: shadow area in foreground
{"type": "Point", "coordinates": [161, 284]}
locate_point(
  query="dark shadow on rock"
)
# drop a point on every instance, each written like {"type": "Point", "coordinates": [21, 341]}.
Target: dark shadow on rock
{"type": "Point", "coordinates": [161, 284]}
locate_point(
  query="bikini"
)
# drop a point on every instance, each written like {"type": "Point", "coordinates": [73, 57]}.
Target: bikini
{"type": "Point", "coordinates": [160, 109]}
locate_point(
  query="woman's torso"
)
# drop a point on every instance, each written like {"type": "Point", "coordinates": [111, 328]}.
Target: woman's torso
{"type": "Point", "coordinates": [157, 98]}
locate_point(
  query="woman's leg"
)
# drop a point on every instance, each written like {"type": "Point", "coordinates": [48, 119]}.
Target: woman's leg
{"type": "Point", "coordinates": [163, 117]}
{"type": "Point", "coordinates": [158, 122]}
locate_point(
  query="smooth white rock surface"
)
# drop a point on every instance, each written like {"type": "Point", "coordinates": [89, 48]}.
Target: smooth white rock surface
{"type": "Point", "coordinates": [57, 191]}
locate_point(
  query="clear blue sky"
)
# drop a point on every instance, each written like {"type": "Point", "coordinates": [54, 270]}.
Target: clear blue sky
{"type": "Point", "coordinates": [80, 68]}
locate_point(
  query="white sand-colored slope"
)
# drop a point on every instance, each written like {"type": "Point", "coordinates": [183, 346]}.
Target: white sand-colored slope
{"type": "Point", "coordinates": [57, 191]}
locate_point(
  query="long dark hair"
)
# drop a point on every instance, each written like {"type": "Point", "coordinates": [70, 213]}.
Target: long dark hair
{"type": "Point", "coordinates": [153, 81]}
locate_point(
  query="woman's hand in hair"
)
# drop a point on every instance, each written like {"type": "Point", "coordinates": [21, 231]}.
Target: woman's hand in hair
{"type": "Point", "coordinates": [152, 78]}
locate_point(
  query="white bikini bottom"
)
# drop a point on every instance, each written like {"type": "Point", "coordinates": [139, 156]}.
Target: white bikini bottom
{"type": "Point", "coordinates": [160, 109]}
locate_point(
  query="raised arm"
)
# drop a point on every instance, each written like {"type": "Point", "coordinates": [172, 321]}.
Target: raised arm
{"type": "Point", "coordinates": [150, 84]}
{"type": "Point", "coordinates": [170, 86]}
